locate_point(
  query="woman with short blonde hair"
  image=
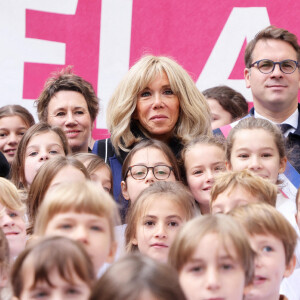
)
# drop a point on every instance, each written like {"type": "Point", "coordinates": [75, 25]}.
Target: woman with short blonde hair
{"type": "Point", "coordinates": [156, 99]}
{"type": "Point", "coordinates": [194, 116]}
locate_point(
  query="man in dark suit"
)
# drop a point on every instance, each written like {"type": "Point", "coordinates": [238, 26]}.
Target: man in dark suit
{"type": "Point", "coordinates": [272, 73]}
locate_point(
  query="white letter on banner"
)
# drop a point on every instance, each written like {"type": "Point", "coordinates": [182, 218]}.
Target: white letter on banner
{"type": "Point", "coordinates": [17, 49]}
{"type": "Point", "coordinates": [114, 48]}
{"type": "Point", "coordinates": [243, 22]}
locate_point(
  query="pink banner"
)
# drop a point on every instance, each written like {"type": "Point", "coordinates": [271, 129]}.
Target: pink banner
{"type": "Point", "coordinates": [102, 39]}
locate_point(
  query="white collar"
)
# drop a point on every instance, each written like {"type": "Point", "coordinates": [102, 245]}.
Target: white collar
{"type": "Point", "coordinates": [291, 120]}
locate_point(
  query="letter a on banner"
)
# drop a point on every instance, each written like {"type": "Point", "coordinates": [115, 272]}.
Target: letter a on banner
{"type": "Point", "coordinates": [243, 23]}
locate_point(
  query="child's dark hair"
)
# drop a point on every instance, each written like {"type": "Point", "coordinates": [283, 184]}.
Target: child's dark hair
{"type": "Point", "coordinates": [230, 100]}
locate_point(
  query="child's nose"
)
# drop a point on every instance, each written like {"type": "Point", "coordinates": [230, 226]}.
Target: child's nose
{"type": "Point", "coordinates": [7, 220]}
{"type": "Point", "coordinates": [209, 176]}
{"type": "Point", "coordinates": [13, 140]}
{"type": "Point", "coordinates": [57, 295]}
{"type": "Point", "coordinates": [254, 163]}
{"type": "Point", "coordinates": [161, 231]}
{"type": "Point", "coordinates": [80, 234]}
{"type": "Point", "coordinates": [212, 279]}
{"type": "Point", "coordinates": [257, 260]}
{"type": "Point", "coordinates": [44, 156]}
{"type": "Point", "coordinates": [150, 177]}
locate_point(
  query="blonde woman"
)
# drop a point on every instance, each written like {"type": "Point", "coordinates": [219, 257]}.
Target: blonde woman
{"type": "Point", "coordinates": [156, 99]}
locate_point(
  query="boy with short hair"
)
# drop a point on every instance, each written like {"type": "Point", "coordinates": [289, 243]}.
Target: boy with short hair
{"type": "Point", "coordinates": [274, 240]}
{"type": "Point", "coordinates": [84, 213]}
{"type": "Point", "coordinates": [237, 188]}
{"type": "Point", "coordinates": [290, 285]}
{"type": "Point", "coordinates": [213, 258]}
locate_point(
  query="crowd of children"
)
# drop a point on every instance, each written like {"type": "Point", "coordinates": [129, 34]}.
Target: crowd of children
{"type": "Point", "coordinates": [206, 218]}
{"type": "Point", "coordinates": [176, 220]}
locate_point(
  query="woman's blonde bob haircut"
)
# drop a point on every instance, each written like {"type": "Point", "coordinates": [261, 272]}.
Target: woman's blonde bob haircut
{"type": "Point", "coordinates": [159, 190]}
{"type": "Point", "coordinates": [194, 117]}
{"type": "Point", "coordinates": [229, 232]}
{"type": "Point", "coordinates": [79, 197]}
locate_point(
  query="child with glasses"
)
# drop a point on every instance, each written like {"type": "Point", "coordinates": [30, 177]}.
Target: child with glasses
{"type": "Point", "coordinates": [155, 217]}
{"type": "Point", "coordinates": [147, 162]}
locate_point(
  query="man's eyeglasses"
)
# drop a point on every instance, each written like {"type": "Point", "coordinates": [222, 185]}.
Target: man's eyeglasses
{"type": "Point", "coordinates": [139, 172]}
{"type": "Point", "coordinates": [267, 66]}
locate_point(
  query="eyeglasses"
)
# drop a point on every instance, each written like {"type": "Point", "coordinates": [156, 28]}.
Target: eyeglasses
{"type": "Point", "coordinates": [139, 172]}
{"type": "Point", "coordinates": [267, 66]}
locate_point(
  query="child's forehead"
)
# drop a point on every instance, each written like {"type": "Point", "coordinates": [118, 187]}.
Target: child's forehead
{"type": "Point", "coordinates": [162, 204]}
{"type": "Point", "coordinates": [261, 239]}
{"type": "Point", "coordinates": [206, 147]}
{"type": "Point", "coordinates": [42, 134]}
{"type": "Point", "coordinates": [79, 216]}
{"type": "Point", "coordinates": [214, 245]}
{"type": "Point", "coordinates": [146, 153]}
{"type": "Point", "coordinates": [237, 190]}
{"type": "Point", "coordinates": [164, 196]}
{"type": "Point", "coordinates": [260, 132]}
